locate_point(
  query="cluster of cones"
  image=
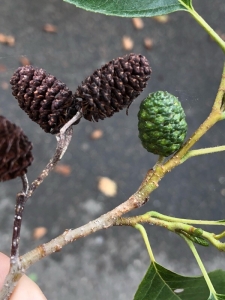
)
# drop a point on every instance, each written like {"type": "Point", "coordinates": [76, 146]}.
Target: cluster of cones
{"type": "Point", "coordinates": [51, 104]}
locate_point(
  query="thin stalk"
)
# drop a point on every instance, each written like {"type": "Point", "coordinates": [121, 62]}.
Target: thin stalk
{"type": "Point", "coordinates": [219, 101]}
{"type": "Point", "coordinates": [63, 141]}
{"type": "Point", "coordinates": [159, 161]}
{"type": "Point", "coordinates": [25, 183]}
{"type": "Point", "coordinates": [197, 234]}
{"type": "Point", "coordinates": [146, 240]}
{"type": "Point", "coordinates": [157, 215]}
{"type": "Point", "coordinates": [208, 29]}
{"type": "Point", "coordinates": [20, 204]}
{"type": "Point", "coordinates": [203, 151]}
{"type": "Point", "coordinates": [201, 265]}
{"type": "Point", "coordinates": [70, 122]}
{"type": "Point", "coordinates": [205, 25]}
{"type": "Point", "coordinates": [219, 236]}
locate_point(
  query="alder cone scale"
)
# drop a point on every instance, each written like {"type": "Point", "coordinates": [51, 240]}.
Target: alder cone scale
{"type": "Point", "coordinates": [113, 87]}
{"type": "Point", "coordinates": [15, 151]}
{"type": "Point", "coordinates": [45, 99]}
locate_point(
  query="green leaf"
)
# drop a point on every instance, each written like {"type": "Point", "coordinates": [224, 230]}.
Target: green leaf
{"type": "Point", "coordinates": [186, 2]}
{"type": "Point", "coordinates": [131, 8]}
{"type": "Point", "coordinates": [160, 283]}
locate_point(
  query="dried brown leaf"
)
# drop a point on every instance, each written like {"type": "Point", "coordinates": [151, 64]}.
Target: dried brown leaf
{"type": "Point", "coordinates": [3, 38]}
{"type": "Point", "coordinates": [62, 169]}
{"type": "Point", "coordinates": [7, 39]}
{"type": "Point", "coordinates": [161, 19]}
{"type": "Point", "coordinates": [107, 186]}
{"type": "Point", "coordinates": [50, 28]}
{"type": "Point", "coordinates": [39, 232]}
{"type": "Point", "coordinates": [4, 85]}
{"type": "Point", "coordinates": [127, 43]}
{"type": "Point", "coordinates": [2, 68]}
{"type": "Point", "coordinates": [10, 40]}
{"type": "Point", "coordinates": [138, 23]}
{"type": "Point", "coordinates": [96, 134]}
{"type": "Point", "coordinates": [148, 42]}
{"type": "Point", "coordinates": [24, 61]}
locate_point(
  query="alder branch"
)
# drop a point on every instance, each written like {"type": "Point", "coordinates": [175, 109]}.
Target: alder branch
{"type": "Point", "coordinates": [103, 222]}
{"type": "Point", "coordinates": [109, 219]}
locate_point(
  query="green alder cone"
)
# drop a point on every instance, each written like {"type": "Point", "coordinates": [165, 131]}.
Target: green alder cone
{"type": "Point", "coordinates": [162, 126]}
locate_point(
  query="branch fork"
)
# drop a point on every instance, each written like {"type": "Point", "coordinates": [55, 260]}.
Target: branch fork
{"type": "Point", "coordinates": [113, 218]}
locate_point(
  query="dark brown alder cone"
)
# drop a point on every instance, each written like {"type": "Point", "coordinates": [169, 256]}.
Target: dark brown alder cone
{"type": "Point", "coordinates": [45, 99]}
{"type": "Point", "coordinates": [15, 151]}
{"type": "Point", "coordinates": [112, 87]}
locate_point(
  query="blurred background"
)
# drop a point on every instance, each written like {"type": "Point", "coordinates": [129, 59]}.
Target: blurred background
{"type": "Point", "coordinates": [71, 43]}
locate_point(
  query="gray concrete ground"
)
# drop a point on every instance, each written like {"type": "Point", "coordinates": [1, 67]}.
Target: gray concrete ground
{"type": "Point", "coordinates": [186, 63]}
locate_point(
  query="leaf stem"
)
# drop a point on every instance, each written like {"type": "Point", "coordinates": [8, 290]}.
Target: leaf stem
{"type": "Point", "coordinates": [198, 235]}
{"type": "Point", "coordinates": [205, 25]}
{"type": "Point", "coordinates": [146, 240]}
{"type": "Point", "coordinates": [157, 215]}
{"type": "Point", "coordinates": [25, 183]}
{"type": "Point", "coordinates": [201, 265]}
{"type": "Point", "coordinates": [219, 236]}
{"type": "Point", "coordinates": [159, 161]}
{"type": "Point", "coordinates": [219, 101]}
{"type": "Point", "coordinates": [202, 151]}
{"type": "Point", "coordinates": [63, 140]}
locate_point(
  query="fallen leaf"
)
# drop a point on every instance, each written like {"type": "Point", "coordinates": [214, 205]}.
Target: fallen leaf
{"type": "Point", "coordinates": [107, 186]}
{"type": "Point", "coordinates": [7, 39]}
{"type": "Point", "coordinates": [4, 85]}
{"type": "Point", "coordinates": [24, 61]}
{"type": "Point", "coordinates": [148, 42]}
{"type": "Point", "coordinates": [96, 134]}
{"type": "Point", "coordinates": [50, 28]}
{"type": "Point", "coordinates": [127, 43]}
{"type": "Point", "coordinates": [138, 23]}
{"type": "Point", "coordinates": [10, 40]}
{"type": "Point", "coordinates": [2, 38]}
{"type": "Point", "coordinates": [2, 68]}
{"type": "Point", "coordinates": [63, 169]}
{"type": "Point", "coordinates": [39, 232]}
{"type": "Point", "coordinates": [161, 19]}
